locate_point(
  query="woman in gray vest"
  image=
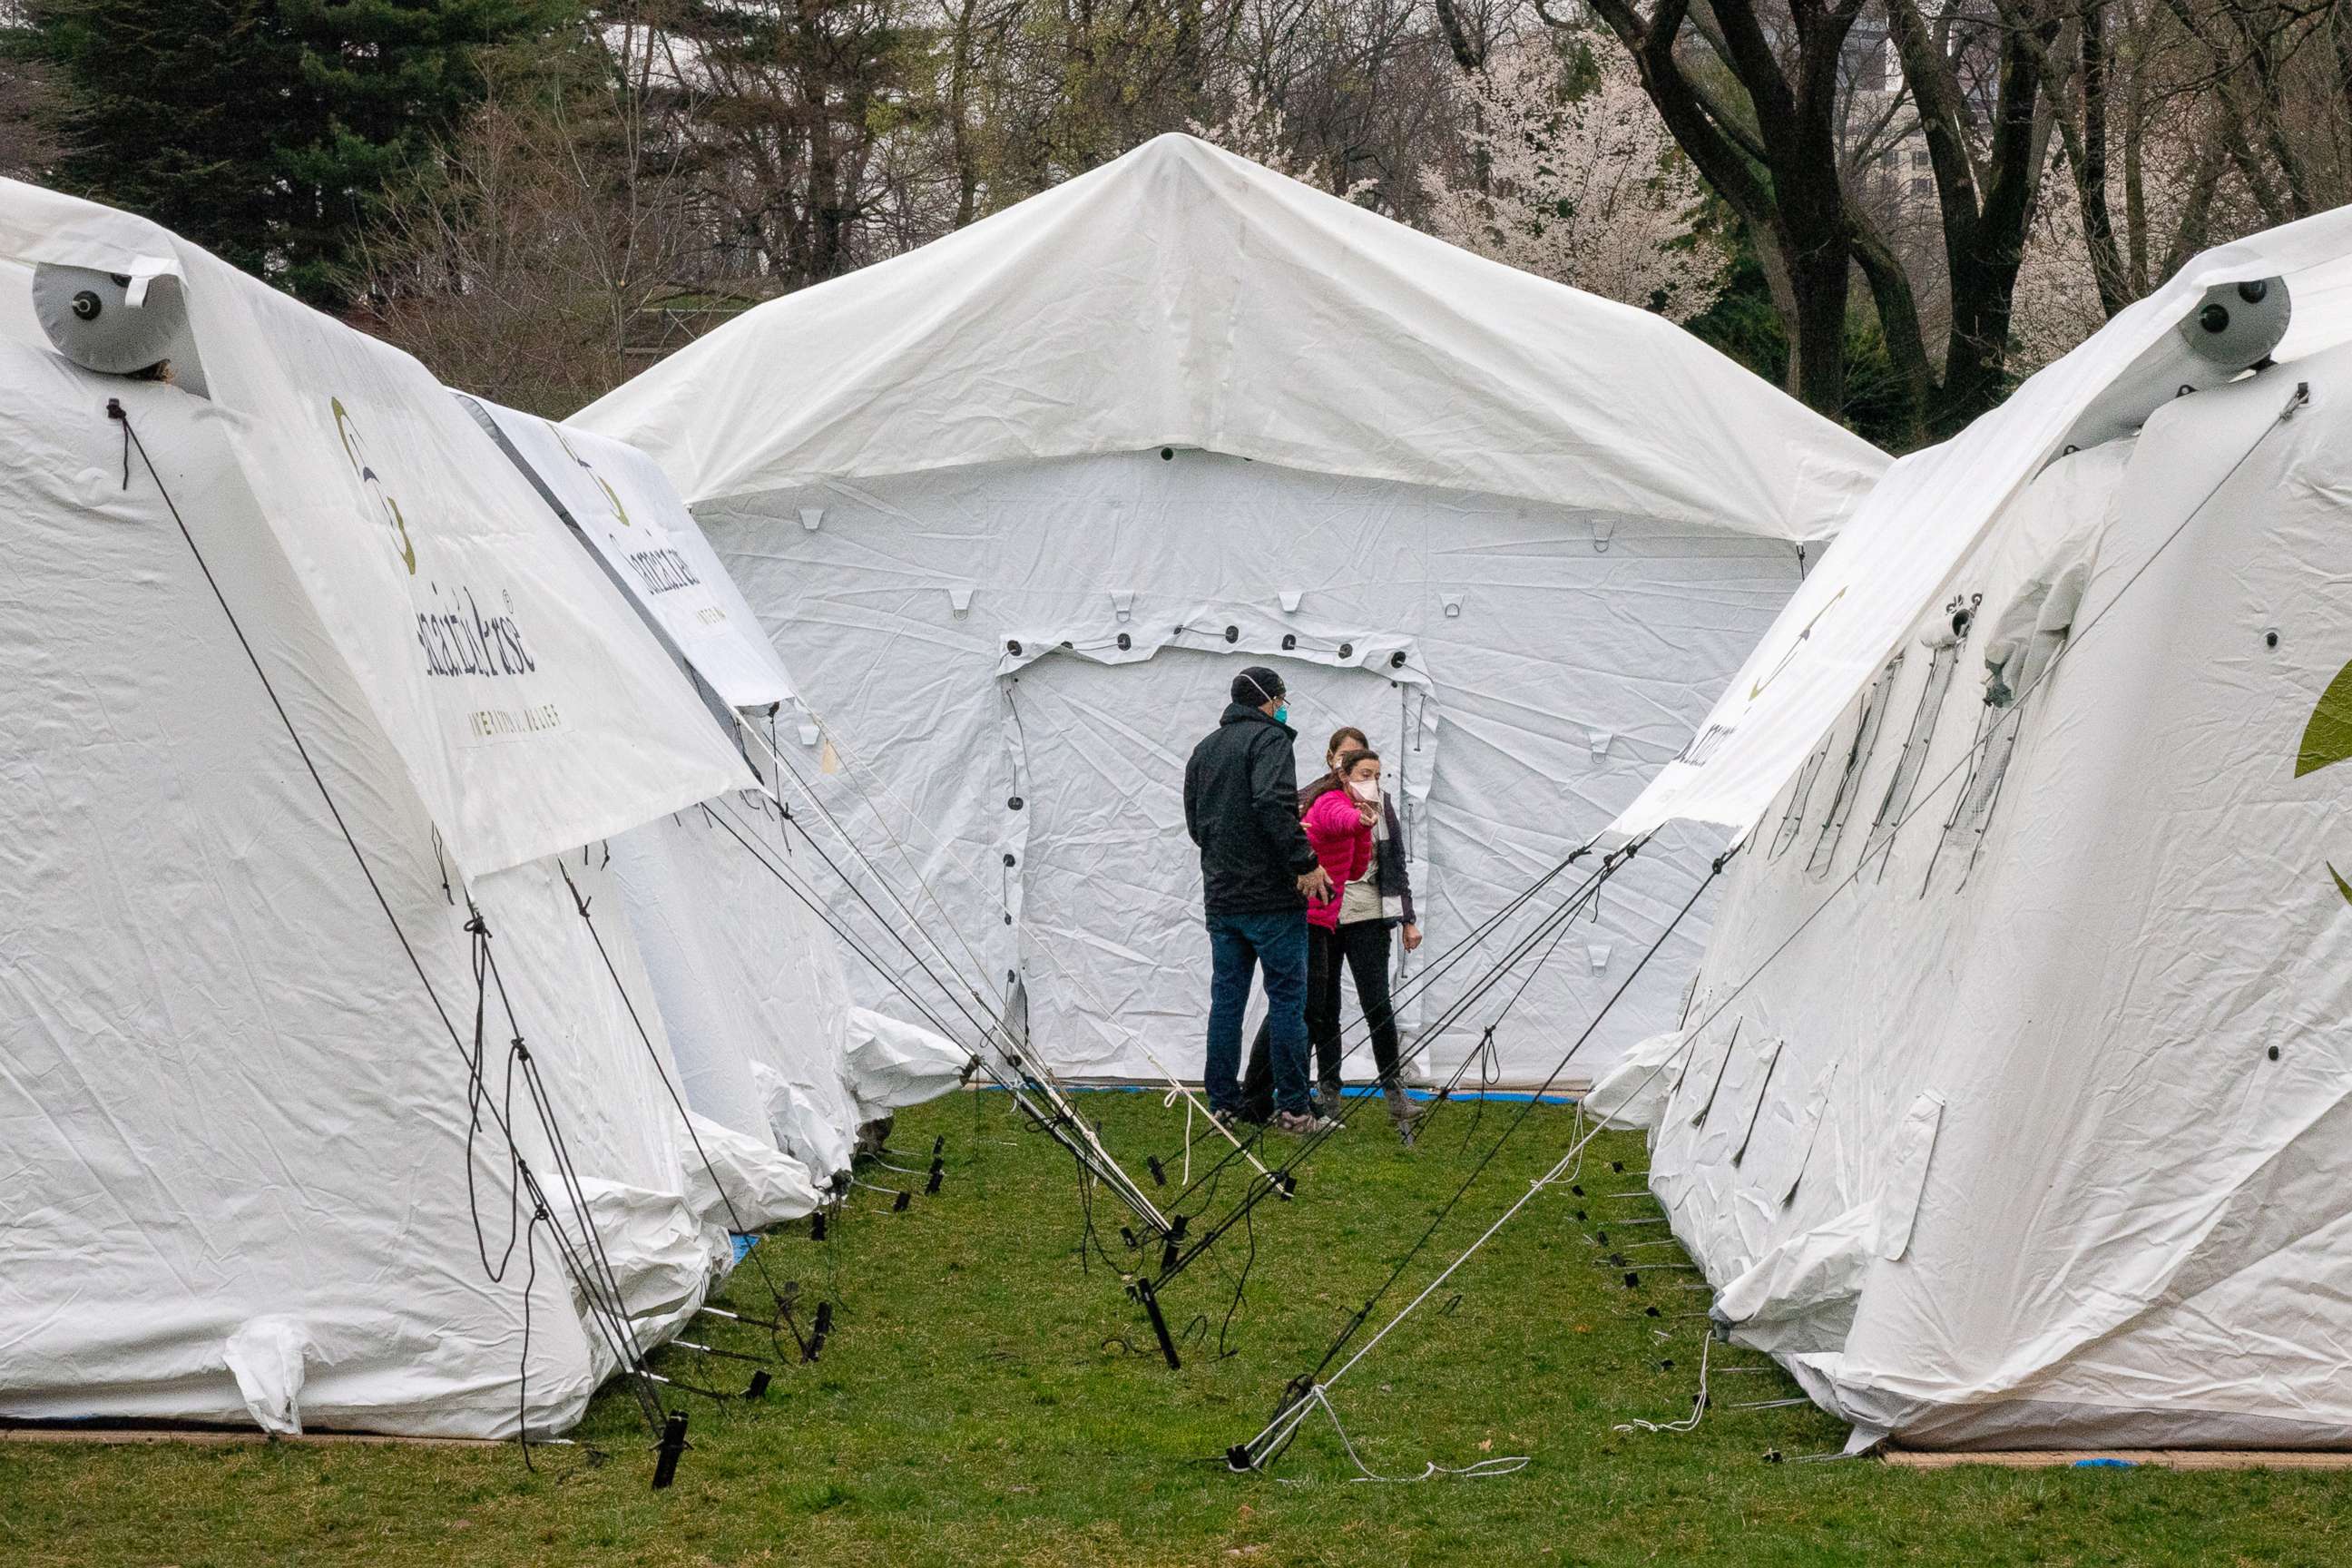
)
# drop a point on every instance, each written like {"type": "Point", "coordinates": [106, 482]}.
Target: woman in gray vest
{"type": "Point", "coordinates": [1370, 908]}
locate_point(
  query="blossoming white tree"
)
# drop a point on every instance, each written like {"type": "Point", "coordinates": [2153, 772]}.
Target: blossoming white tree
{"type": "Point", "coordinates": [1587, 190]}
{"type": "Point", "coordinates": [2176, 191]}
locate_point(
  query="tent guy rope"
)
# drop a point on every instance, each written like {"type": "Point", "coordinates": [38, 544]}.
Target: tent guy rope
{"type": "Point", "coordinates": [582, 1258]}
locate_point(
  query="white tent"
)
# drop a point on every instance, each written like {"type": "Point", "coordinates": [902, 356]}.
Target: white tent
{"type": "Point", "coordinates": [260, 779]}
{"type": "Point", "coordinates": [1014, 507]}
{"type": "Point", "coordinates": [748, 978]}
{"type": "Point", "coordinates": [2010, 1105]}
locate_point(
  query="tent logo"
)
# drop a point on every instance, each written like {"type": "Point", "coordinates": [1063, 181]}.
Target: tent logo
{"type": "Point", "coordinates": [612, 497]}
{"type": "Point", "coordinates": [2327, 739]}
{"type": "Point", "coordinates": [356, 452]}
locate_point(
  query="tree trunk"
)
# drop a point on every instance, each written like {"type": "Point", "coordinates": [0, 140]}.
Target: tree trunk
{"type": "Point", "coordinates": [2090, 165]}
{"type": "Point", "coordinates": [960, 117]}
{"type": "Point", "coordinates": [1469, 53]}
{"type": "Point", "coordinates": [1820, 273]}
{"type": "Point", "coordinates": [1782, 177]}
{"type": "Point", "coordinates": [1899, 318]}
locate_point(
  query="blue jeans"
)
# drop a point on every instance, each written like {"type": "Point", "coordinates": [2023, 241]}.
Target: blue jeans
{"type": "Point", "coordinates": [1237, 944]}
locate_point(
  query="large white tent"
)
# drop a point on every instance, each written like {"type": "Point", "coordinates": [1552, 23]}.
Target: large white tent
{"type": "Point", "coordinates": [2010, 1106]}
{"type": "Point", "coordinates": [310, 703]}
{"type": "Point", "coordinates": [1017, 505]}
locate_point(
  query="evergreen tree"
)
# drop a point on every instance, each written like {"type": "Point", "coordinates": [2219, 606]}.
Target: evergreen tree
{"type": "Point", "coordinates": [267, 129]}
{"type": "Point", "coordinates": [170, 110]}
{"type": "Point", "coordinates": [386, 80]}
{"type": "Point", "coordinates": [27, 107]}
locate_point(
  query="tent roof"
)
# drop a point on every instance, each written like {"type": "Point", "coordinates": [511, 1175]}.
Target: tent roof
{"type": "Point", "coordinates": [530, 706]}
{"type": "Point", "coordinates": [1183, 296]}
{"type": "Point", "coordinates": [1914, 528]}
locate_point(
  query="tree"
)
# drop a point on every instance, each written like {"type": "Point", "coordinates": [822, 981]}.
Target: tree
{"type": "Point", "coordinates": [1256, 129]}
{"type": "Point", "coordinates": [1776, 105]}
{"type": "Point", "coordinates": [1754, 103]}
{"type": "Point", "coordinates": [264, 130]}
{"type": "Point", "coordinates": [2179, 124]}
{"type": "Point", "coordinates": [28, 144]}
{"type": "Point", "coordinates": [553, 225]}
{"type": "Point", "coordinates": [798, 100]}
{"type": "Point", "coordinates": [171, 108]}
{"type": "Point", "coordinates": [2280, 75]}
{"type": "Point", "coordinates": [1365, 88]}
{"type": "Point", "coordinates": [382, 80]}
{"type": "Point", "coordinates": [1976, 89]}
{"type": "Point", "coordinates": [1587, 189]}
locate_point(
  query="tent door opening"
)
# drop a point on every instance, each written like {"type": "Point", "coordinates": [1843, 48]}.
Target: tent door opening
{"type": "Point", "coordinates": [1105, 885]}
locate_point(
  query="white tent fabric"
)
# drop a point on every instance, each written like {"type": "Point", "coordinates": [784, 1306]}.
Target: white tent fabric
{"type": "Point", "coordinates": [530, 709]}
{"type": "Point", "coordinates": [623, 505]}
{"type": "Point", "coordinates": [1182, 296]}
{"type": "Point", "coordinates": [750, 982]}
{"type": "Point", "coordinates": [2013, 1100]}
{"type": "Point", "coordinates": [748, 978]}
{"type": "Point", "coordinates": [1023, 502]}
{"type": "Point", "coordinates": [238, 1140]}
{"type": "Point", "coordinates": [1897, 558]}
{"type": "Point", "coordinates": [897, 1064]}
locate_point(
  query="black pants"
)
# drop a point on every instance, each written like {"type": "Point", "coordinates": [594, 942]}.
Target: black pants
{"type": "Point", "coordinates": [1362, 946]}
{"type": "Point", "coordinates": [1365, 945]}
{"type": "Point", "coordinates": [1323, 963]}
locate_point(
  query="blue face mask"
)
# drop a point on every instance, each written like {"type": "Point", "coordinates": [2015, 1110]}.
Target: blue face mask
{"type": "Point", "coordinates": [1282, 714]}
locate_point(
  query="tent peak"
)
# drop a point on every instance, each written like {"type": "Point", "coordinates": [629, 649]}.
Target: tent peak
{"type": "Point", "coordinates": [1183, 295]}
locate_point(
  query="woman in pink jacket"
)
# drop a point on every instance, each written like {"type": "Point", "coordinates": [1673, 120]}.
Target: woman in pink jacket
{"type": "Point", "coordinates": [1339, 826]}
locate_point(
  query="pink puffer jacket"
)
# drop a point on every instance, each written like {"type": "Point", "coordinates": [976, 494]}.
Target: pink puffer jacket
{"type": "Point", "coordinates": [1343, 843]}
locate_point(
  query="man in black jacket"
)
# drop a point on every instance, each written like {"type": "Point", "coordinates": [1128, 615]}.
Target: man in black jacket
{"type": "Point", "coordinates": [1257, 871]}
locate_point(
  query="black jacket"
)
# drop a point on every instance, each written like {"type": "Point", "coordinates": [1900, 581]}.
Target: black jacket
{"type": "Point", "coordinates": [1240, 806]}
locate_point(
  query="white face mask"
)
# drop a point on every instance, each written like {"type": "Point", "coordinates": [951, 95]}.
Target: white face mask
{"type": "Point", "coordinates": [1366, 790]}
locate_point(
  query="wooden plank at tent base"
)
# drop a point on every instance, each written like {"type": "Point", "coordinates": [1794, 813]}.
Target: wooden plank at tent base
{"type": "Point", "coordinates": [2157, 1458]}
{"type": "Point", "coordinates": [219, 1435]}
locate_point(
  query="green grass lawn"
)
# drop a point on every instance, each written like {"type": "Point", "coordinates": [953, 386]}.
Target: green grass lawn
{"type": "Point", "coordinates": [976, 1407]}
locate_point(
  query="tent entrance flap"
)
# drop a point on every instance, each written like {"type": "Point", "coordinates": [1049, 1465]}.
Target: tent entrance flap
{"type": "Point", "coordinates": [1101, 881]}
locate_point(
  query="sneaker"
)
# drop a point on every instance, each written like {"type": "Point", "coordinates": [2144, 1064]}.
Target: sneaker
{"type": "Point", "coordinates": [1300, 1123]}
